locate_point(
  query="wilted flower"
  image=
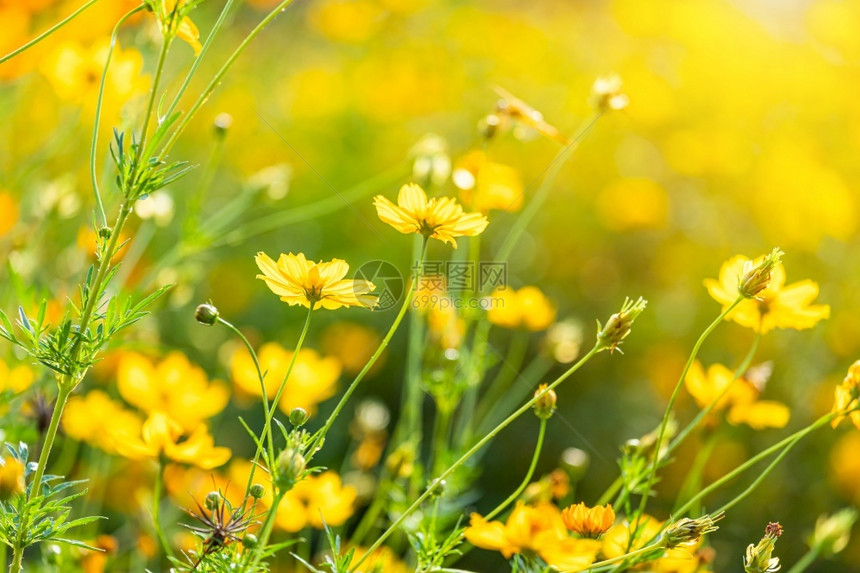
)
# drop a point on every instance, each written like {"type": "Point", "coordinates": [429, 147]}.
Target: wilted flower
{"type": "Point", "coordinates": [688, 531]}
{"type": "Point", "coordinates": [618, 326]}
{"type": "Point", "coordinates": [300, 281]}
{"type": "Point", "coordinates": [441, 218]}
{"type": "Point", "coordinates": [588, 521]}
{"type": "Point", "coordinates": [774, 306]}
{"type": "Point", "coordinates": [759, 558]}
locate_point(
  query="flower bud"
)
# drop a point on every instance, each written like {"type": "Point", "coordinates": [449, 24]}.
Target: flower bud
{"type": "Point", "coordinates": [833, 532]}
{"type": "Point", "coordinates": [206, 314]}
{"type": "Point", "coordinates": [688, 531]}
{"type": "Point", "coordinates": [222, 123]}
{"type": "Point", "coordinates": [249, 541]}
{"type": "Point", "coordinates": [212, 501]}
{"type": "Point", "coordinates": [759, 558]}
{"type": "Point", "coordinates": [105, 233]}
{"type": "Point", "coordinates": [756, 275]}
{"type": "Point", "coordinates": [256, 491]}
{"type": "Point", "coordinates": [11, 478]}
{"type": "Point", "coordinates": [619, 324]}
{"type": "Point", "coordinates": [545, 404]}
{"type": "Point", "coordinates": [298, 417]}
{"type": "Point", "coordinates": [606, 94]}
{"type": "Point", "coordinates": [291, 464]}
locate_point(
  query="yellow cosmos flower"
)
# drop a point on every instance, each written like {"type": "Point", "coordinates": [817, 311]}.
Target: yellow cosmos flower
{"type": "Point", "coordinates": [312, 501]}
{"type": "Point", "coordinates": [846, 396]}
{"type": "Point", "coordinates": [300, 281]}
{"type": "Point", "coordinates": [588, 521]}
{"type": "Point", "coordinates": [537, 530]}
{"type": "Point", "coordinates": [96, 419]}
{"type": "Point", "coordinates": [526, 308]}
{"type": "Point", "coordinates": [741, 400]}
{"type": "Point", "coordinates": [163, 438]}
{"type": "Point", "coordinates": [779, 305]}
{"type": "Point", "coordinates": [174, 386]}
{"type": "Point", "coordinates": [441, 218]}
{"type": "Point", "coordinates": [8, 212]}
{"type": "Point", "coordinates": [485, 185]}
{"type": "Point", "coordinates": [313, 379]}
{"type": "Point", "coordinates": [15, 379]}
{"type": "Point", "coordinates": [353, 344]}
{"type": "Point", "coordinates": [11, 478]}
{"type": "Point", "coordinates": [173, 22]}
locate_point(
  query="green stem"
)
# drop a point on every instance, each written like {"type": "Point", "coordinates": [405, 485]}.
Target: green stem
{"type": "Point", "coordinates": [413, 395]}
{"type": "Point", "coordinates": [48, 32]}
{"type": "Point", "coordinates": [610, 491]}
{"type": "Point", "coordinates": [440, 436]}
{"type": "Point", "coordinates": [265, 396]}
{"type": "Point", "coordinates": [50, 436]}
{"type": "Point", "coordinates": [17, 559]}
{"type": "Point", "coordinates": [159, 70]}
{"type": "Point", "coordinates": [156, 510]}
{"type": "Point", "coordinates": [658, 444]}
{"type": "Point", "coordinates": [319, 437]}
{"type": "Point", "coordinates": [742, 367]}
{"type": "Point", "coordinates": [693, 481]}
{"type": "Point", "coordinates": [96, 122]}
{"type": "Point", "coordinates": [474, 449]}
{"type": "Point", "coordinates": [265, 531]}
{"type": "Point", "coordinates": [618, 558]}
{"type": "Point", "coordinates": [513, 497]}
{"type": "Point", "coordinates": [805, 561]}
{"type": "Point", "coordinates": [219, 75]}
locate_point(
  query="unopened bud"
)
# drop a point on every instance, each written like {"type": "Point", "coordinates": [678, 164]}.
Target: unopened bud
{"type": "Point", "coordinates": [756, 275]}
{"type": "Point", "coordinates": [105, 233]}
{"type": "Point", "coordinates": [212, 501]}
{"type": "Point", "coordinates": [833, 532]}
{"type": "Point", "coordinates": [546, 401]}
{"type": "Point", "coordinates": [618, 326]}
{"type": "Point", "coordinates": [206, 314]}
{"type": "Point", "coordinates": [298, 417]}
{"type": "Point", "coordinates": [249, 541]}
{"type": "Point", "coordinates": [688, 531]}
{"type": "Point", "coordinates": [256, 491]}
{"type": "Point", "coordinates": [607, 95]}
{"type": "Point", "coordinates": [222, 123]}
{"type": "Point", "coordinates": [291, 464]}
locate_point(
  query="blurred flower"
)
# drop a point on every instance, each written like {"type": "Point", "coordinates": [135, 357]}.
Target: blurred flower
{"type": "Point", "coordinates": [741, 399]}
{"type": "Point", "coordinates": [11, 478]}
{"type": "Point", "coordinates": [173, 21]}
{"type": "Point", "coordinates": [88, 241]}
{"type": "Point", "coordinates": [97, 561]}
{"type": "Point", "coordinates": [486, 185]}
{"type": "Point", "coordinates": [352, 21]}
{"type": "Point", "coordinates": [300, 281]}
{"type": "Point", "coordinates": [8, 212]}
{"type": "Point", "coordinates": [431, 161]}
{"type": "Point", "coordinates": [776, 306]}
{"type": "Point", "coordinates": [846, 396]}
{"type": "Point", "coordinates": [75, 73]}
{"type": "Point", "coordinates": [606, 94]}
{"type": "Point", "coordinates": [511, 110]}
{"type": "Point", "coordinates": [588, 521]}
{"type": "Point", "coordinates": [353, 344]}
{"type": "Point", "coordinates": [163, 438]}
{"type": "Point", "coordinates": [173, 386]}
{"type": "Point", "coordinates": [382, 560]}
{"type": "Point", "coordinates": [275, 180]}
{"type": "Point", "coordinates": [313, 379]}
{"type": "Point", "coordinates": [96, 419]}
{"type": "Point", "coordinates": [15, 379]}
{"type": "Point", "coordinates": [534, 529]}
{"type": "Point", "coordinates": [446, 327]}
{"type": "Point", "coordinates": [313, 500]}
{"type": "Point", "coordinates": [157, 206]}
{"type": "Point", "coordinates": [525, 308]}
{"type": "Point", "coordinates": [563, 341]}
{"type": "Point", "coordinates": [832, 532]}
{"type": "Point", "coordinates": [441, 218]}
{"type": "Point", "coordinates": [633, 203]}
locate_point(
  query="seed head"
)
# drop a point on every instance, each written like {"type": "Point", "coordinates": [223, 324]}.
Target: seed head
{"type": "Point", "coordinates": [756, 275]}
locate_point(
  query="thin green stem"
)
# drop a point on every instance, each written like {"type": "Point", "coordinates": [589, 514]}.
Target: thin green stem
{"type": "Point", "coordinates": [618, 558]}
{"type": "Point", "coordinates": [156, 510]}
{"type": "Point", "coordinates": [805, 561]}
{"type": "Point", "coordinates": [47, 32]}
{"type": "Point", "coordinates": [693, 480]}
{"type": "Point", "coordinates": [413, 395]}
{"type": "Point", "coordinates": [219, 75]}
{"type": "Point", "coordinates": [97, 121]}
{"type": "Point", "coordinates": [440, 436]}
{"type": "Point", "coordinates": [150, 106]}
{"type": "Point", "coordinates": [662, 433]}
{"type": "Point", "coordinates": [472, 451]}
{"type": "Point", "coordinates": [265, 530]}
{"type": "Point", "coordinates": [610, 491]}
{"type": "Point", "coordinates": [526, 480]}
{"type": "Point", "coordinates": [319, 437]}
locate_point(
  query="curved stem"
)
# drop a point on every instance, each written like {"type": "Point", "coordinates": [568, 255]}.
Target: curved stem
{"type": "Point", "coordinates": [96, 122]}
{"type": "Point", "coordinates": [319, 437]}
{"type": "Point", "coordinates": [658, 444]}
{"type": "Point", "coordinates": [513, 497]}
{"type": "Point", "coordinates": [474, 449]}
{"type": "Point", "coordinates": [47, 32]}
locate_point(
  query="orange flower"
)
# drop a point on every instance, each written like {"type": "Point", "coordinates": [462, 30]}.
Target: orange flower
{"type": "Point", "coordinates": [588, 521]}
